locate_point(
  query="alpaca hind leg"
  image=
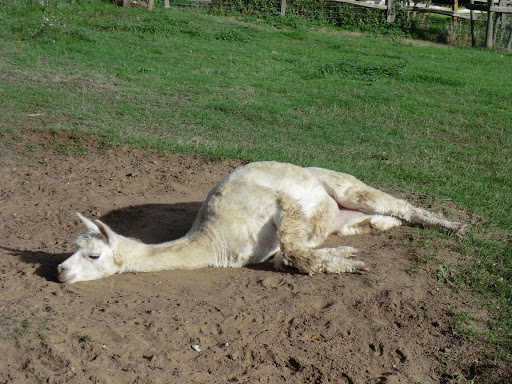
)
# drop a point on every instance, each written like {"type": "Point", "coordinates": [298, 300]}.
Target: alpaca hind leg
{"type": "Point", "coordinates": [350, 192]}
{"type": "Point", "coordinates": [294, 231]}
{"type": "Point", "coordinates": [373, 201]}
{"type": "Point", "coordinates": [384, 223]}
{"type": "Point", "coordinates": [355, 222]}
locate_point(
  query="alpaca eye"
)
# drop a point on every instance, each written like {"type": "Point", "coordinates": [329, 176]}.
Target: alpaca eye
{"type": "Point", "coordinates": [94, 257]}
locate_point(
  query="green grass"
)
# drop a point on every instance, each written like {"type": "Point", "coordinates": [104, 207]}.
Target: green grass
{"type": "Point", "coordinates": [85, 338]}
{"type": "Point", "coordinates": [427, 119]}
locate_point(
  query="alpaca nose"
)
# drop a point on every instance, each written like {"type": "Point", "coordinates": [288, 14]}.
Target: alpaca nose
{"type": "Point", "coordinates": [61, 268]}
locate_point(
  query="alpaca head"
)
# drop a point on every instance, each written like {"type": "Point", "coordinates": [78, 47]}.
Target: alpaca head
{"type": "Point", "coordinates": [95, 255]}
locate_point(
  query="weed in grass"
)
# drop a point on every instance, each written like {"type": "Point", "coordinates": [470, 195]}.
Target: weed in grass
{"type": "Point", "coordinates": [144, 69]}
{"type": "Point", "coordinates": [463, 324]}
{"type": "Point", "coordinates": [17, 328]}
{"type": "Point", "coordinates": [42, 335]}
{"type": "Point", "coordinates": [74, 147]}
{"type": "Point", "coordinates": [29, 147]}
{"type": "Point", "coordinates": [461, 379]}
{"type": "Point", "coordinates": [233, 35]}
{"type": "Point", "coordinates": [422, 260]}
{"type": "Point", "coordinates": [446, 274]}
{"type": "Point", "coordinates": [23, 329]}
{"type": "Point", "coordinates": [85, 338]}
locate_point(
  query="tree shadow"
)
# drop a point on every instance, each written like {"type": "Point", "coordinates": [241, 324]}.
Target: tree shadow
{"type": "Point", "coordinates": [150, 223]}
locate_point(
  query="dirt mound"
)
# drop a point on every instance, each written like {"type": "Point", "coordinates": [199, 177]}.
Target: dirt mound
{"type": "Point", "coordinates": [396, 324]}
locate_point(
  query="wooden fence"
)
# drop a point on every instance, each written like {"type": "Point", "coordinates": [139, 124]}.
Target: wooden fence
{"type": "Point", "coordinates": [476, 11]}
{"type": "Point", "coordinates": [502, 10]}
{"type": "Point", "coordinates": [490, 8]}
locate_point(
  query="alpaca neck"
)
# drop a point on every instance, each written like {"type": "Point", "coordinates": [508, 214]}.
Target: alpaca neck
{"type": "Point", "coordinates": [190, 252]}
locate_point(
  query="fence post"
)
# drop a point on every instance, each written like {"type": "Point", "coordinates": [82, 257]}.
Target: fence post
{"type": "Point", "coordinates": [506, 22]}
{"type": "Point", "coordinates": [455, 9]}
{"type": "Point", "coordinates": [283, 7]}
{"type": "Point", "coordinates": [501, 23]}
{"type": "Point", "coordinates": [390, 14]}
{"type": "Point", "coordinates": [166, 3]}
{"type": "Point", "coordinates": [473, 32]}
{"type": "Point", "coordinates": [151, 3]}
{"type": "Point", "coordinates": [490, 25]}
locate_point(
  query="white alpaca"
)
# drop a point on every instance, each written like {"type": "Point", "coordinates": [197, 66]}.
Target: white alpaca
{"type": "Point", "coordinates": [259, 210]}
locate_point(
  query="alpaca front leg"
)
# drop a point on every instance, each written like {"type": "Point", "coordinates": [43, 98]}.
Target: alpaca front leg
{"type": "Point", "coordinates": [334, 260]}
{"type": "Point", "coordinates": [295, 232]}
{"type": "Point", "coordinates": [324, 260]}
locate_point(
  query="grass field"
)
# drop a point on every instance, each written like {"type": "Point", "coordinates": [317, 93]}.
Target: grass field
{"type": "Point", "coordinates": [413, 117]}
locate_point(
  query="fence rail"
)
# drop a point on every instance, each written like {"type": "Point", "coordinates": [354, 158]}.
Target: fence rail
{"type": "Point", "coordinates": [408, 8]}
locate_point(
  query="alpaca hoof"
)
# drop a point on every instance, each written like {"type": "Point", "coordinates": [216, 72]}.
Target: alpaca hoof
{"type": "Point", "coordinates": [461, 230]}
{"type": "Point", "coordinates": [361, 269]}
{"type": "Point", "coordinates": [345, 251]}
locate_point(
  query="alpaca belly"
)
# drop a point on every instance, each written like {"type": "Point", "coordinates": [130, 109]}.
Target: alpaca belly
{"type": "Point", "coordinates": [266, 246]}
{"type": "Point", "coordinates": [262, 244]}
{"type": "Point", "coordinates": [348, 216]}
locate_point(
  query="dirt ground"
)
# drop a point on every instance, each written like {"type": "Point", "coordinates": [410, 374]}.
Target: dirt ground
{"type": "Point", "coordinates": [396, 324]}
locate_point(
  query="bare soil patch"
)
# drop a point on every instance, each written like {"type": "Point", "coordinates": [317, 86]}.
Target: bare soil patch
{"type": "Point", "coordinates": [251, 325]}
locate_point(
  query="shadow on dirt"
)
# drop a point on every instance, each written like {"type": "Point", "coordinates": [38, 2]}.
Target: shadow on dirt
{"type": "Point", "coordinates": [48, 262]}
{"type": "Point", "coordinates": [153, 223]}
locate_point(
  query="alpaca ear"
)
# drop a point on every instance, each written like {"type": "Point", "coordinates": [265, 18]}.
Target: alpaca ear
{"type": "Point", "coordinates": [106, 232]}
{"type": "Point", "coordinates": [91, 227]}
